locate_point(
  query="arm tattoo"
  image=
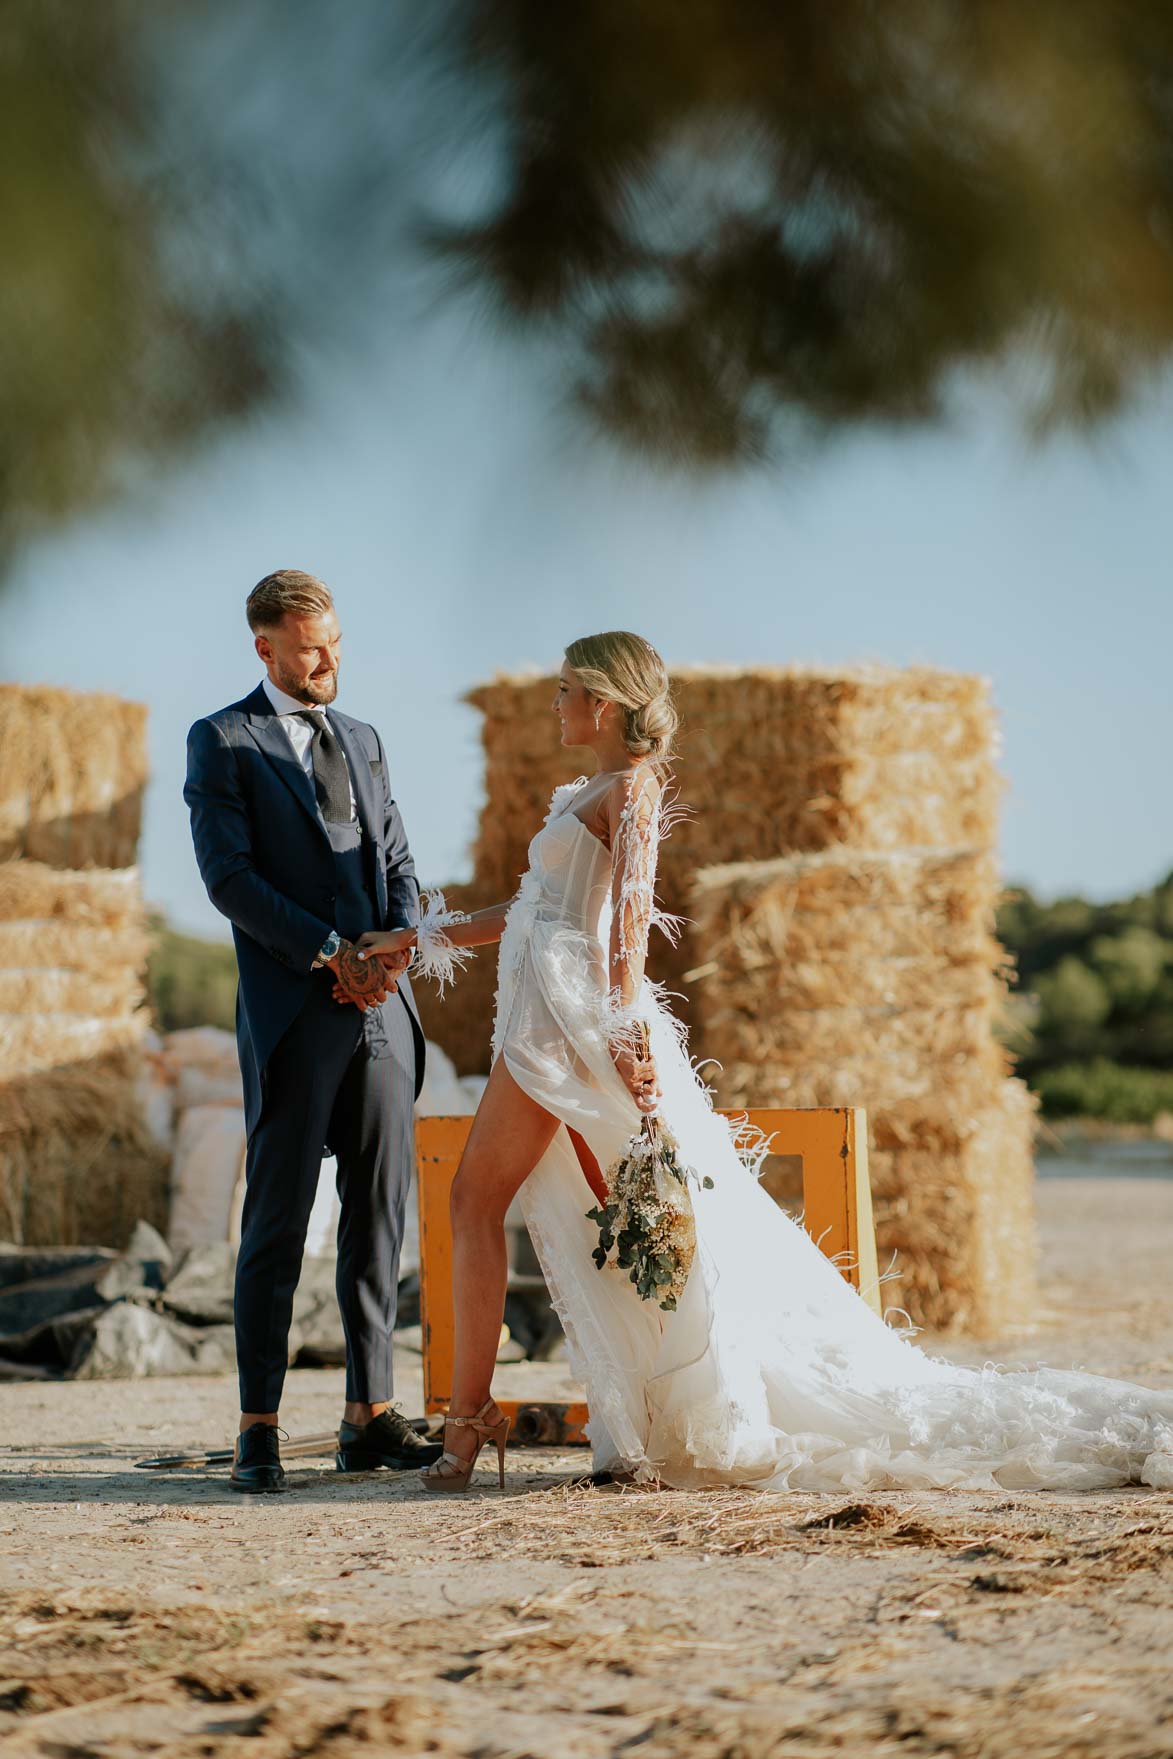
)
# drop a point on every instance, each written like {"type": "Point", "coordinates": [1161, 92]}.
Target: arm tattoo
{"type": "Point", "coordinates": [360, 977]}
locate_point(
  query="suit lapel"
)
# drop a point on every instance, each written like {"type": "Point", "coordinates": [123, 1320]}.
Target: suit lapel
{"type": "Point", "coordinates": [272, 739]}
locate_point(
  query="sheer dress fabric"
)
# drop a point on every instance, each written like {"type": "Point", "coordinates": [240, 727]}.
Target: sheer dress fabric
{"type": "Point", "coordinates": [772, 1372]}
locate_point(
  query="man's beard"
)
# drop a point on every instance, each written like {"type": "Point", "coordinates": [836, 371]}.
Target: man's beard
{"type": "Point", "coordinates": [318, 691]}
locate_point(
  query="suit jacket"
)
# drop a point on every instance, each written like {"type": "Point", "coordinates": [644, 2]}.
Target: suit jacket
{"type": "Point", "coordinates": [264, 855]}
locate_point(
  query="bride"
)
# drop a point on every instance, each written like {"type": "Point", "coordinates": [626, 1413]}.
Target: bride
{"type": "Point", "coordinates": [771, 1371]}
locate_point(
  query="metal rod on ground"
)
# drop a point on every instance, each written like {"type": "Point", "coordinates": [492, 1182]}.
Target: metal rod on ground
{"type": "Point", "coordinates": [296, 1448]}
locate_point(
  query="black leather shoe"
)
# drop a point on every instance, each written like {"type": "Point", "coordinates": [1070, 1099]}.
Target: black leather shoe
{"type": "Point", "coordinates": [257, 1468]}
{"type": "Point", "coordinates": [387, 1440]}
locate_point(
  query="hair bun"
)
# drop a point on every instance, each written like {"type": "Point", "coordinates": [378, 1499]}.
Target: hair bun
{"type": "Point", "coordinates": [625, 669]}
{"type": "Point", "coordinates": [649, 729]}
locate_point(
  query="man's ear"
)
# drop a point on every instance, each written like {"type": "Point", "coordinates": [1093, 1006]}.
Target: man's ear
{"type": "Point", "coordinates": [264, 648]}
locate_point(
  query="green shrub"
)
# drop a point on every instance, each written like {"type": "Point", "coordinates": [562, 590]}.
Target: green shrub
{"type": "Point", "coordinates": [1131, 964]}
{"type": "Point", "coordinates": [1075, 1001]}
{"type": "Point", "coordinates": [190, 982]}
{"type": "Point", "coordinates": [1102, 1089]}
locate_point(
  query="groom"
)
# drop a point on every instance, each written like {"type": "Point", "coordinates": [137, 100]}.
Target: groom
{"type": "Point", "coordinates": [301, 846]}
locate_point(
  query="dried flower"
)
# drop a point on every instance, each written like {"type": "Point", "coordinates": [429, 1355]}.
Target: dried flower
{"type": "Point", "coordinates": [647, 1220]}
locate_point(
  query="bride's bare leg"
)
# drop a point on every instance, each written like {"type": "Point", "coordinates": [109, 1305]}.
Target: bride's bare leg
{"type": "Point", "coordinates": [509, 1136]}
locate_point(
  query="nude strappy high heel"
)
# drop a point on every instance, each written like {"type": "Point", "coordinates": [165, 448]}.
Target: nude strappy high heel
{"type": "Point", "coordinates": [450, 1472]}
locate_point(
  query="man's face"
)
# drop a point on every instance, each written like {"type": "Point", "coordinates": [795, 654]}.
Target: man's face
{"type": "Point", "coordinates": [301, 656]}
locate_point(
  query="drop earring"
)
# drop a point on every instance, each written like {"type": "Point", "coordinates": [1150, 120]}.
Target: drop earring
{"type": "Point", "coordinates": [598, 718]}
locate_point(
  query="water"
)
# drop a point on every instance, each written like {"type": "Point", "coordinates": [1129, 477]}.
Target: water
{"type": "Point", "coordinates": [1108, 1160]}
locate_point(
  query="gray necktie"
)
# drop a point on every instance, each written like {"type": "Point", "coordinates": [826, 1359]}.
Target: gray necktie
{"type": "Point", "coordinates": [331, 776]}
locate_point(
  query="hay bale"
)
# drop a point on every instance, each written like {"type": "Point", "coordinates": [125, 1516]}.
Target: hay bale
{"type": "Point", "coordinates": [959, 1218]}
{"type": "Point", "coordinates": [878, 976]}
{"type": "Point", "coordinates": [78, 1160]}
{"type": "Point", "coordinates": [73, 949]}
{"type": "Point", "coordinates": [74, 772]}
{"type": "Point", "coordinates": [58, 991]}
{"type": "Point", "coordinates": [32, 1044]}
{"type": "Point", "coordinates": [78, 1163]}
{"type": "Point", "coordinates": [772, 760]}
{"type": "Point", "coordinates": [861, 979]}
{"type": "Point", "coordinates": [462, 1023]}
{"type": "Point", "coordinates": [33, 891]}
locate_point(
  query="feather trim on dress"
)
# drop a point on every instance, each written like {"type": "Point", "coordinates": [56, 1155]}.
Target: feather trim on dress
{"type": "Point", "coordinates": [436, 957]}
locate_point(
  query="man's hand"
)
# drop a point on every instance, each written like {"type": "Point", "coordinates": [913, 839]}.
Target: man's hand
{"type": "Point", "coordinates": [362, 981]}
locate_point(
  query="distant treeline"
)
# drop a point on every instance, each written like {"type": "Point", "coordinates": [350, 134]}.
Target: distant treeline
{"type": "Point", "coordinates": [191, 982]}
{"type": "Point", "coordinates": [1090, 1017]}
{"type": "Point", "coordinates": [1091, 1012]}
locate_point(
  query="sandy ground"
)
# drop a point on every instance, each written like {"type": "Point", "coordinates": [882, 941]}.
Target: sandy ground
{"type": "Point", "coordinates": [161, 1614]}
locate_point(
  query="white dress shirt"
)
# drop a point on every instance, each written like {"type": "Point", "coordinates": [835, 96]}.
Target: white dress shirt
{"type": "Point", "coordinates": [299, 733]}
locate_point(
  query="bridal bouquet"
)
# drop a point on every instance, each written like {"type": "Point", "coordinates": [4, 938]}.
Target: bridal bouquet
{"type": "Point", "coordinates": [647, 1220]}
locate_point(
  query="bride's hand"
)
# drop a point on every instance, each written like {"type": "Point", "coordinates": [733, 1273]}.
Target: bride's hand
{"type": "Point", "coordinates": [638, 1074]}
{"type": "Point", "coordinates": [387, 944]}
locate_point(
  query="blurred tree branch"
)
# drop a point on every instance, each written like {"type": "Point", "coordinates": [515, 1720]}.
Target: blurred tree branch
{"type": "Point", "coordinates": [761, 221]}
{"type": "Point", "coordinates": [747, 223]}
{"type": "Point", "coordinates": [108, 357]}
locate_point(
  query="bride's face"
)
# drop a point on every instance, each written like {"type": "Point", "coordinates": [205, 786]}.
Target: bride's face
{"type": "Point", "coordinates": [575, 707]}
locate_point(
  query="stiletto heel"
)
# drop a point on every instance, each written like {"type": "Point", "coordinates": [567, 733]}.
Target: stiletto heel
{"type": "Point", "coordinates": [450, 1472]}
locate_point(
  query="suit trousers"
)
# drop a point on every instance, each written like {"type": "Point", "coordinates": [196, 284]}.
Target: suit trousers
{"type": "Point", "coordinates": [344, 1083]}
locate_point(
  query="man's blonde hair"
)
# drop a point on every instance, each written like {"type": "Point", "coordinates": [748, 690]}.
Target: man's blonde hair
{"type": "Point", "coordinates": [286, 590]}
{"type": "Point", "coordinates": [623, 668]}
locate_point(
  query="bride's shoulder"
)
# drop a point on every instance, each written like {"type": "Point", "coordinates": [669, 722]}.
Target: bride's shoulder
{"type": "Point", "coordinates": [562, 796]}
{"type": "Point", "coordinates": [646, 801]}
{"type": "Point", "coordinates": [634, 795]}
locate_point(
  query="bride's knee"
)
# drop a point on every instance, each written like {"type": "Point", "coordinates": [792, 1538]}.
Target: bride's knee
{"type": "Point", "coordinates": [472, 1204]}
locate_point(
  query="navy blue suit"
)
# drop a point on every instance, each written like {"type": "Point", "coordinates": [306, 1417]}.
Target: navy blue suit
{"type": "Point", "coordinates": [317, 1074]}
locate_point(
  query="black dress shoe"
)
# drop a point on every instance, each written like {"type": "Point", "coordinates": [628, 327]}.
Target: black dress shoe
{"type": "Point", "coordinates": [387, 1440]}
{"type": "Point", "coordinates": [257, 1468]}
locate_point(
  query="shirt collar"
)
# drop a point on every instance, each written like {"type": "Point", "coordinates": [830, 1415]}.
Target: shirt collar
{"type": "Point", "coordinates": [288, 705]}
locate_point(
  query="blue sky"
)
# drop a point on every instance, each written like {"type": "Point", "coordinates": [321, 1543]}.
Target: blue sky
{"type": "Point", "coordinates": [466, 526]}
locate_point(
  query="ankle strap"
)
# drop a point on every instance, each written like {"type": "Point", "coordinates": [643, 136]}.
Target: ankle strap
{"type": "Point", "coordinates": [475, 1421]}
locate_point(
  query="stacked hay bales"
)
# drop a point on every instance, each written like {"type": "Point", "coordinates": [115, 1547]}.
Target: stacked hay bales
{"type": "Point", "coordinates": [846, 978]}
{"type": "Point", "coordinates": [842, 947]}
{"type": "Point", "coordinates": [773, 760]}
{"type": "Point", "coordinates": [78, 1162]}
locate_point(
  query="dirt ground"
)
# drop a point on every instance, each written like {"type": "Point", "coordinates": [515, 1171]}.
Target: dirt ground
{"type": "Point", "coordinates": [162, 1614]}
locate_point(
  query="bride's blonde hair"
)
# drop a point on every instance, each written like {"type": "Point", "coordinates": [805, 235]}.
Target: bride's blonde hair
{"type": "Point", "coordinates": [625, 669]}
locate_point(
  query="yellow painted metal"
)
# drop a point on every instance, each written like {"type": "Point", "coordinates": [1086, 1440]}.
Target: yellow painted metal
{"type": "Point", "coordinates": [837, 1205]}
{"type": "Point", "coordinates": [836, 1190]}
{"type": "Point", "coordinates": [439, 1144]}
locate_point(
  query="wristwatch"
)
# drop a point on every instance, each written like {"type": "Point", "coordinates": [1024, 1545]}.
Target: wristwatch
{"type": "Point", "coordinates": [328, 950]}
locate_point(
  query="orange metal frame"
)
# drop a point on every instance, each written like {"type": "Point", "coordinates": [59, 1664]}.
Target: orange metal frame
{"type": "Point", "coordinates": [837, 1203]}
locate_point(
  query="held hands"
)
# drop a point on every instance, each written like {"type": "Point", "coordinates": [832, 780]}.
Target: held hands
{"type": "Point", "coordinates": [364, 981]}
{"type": "Point", "coordinates": [392, 947]}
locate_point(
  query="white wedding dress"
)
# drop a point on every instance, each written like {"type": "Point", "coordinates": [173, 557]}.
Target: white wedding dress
{"type": "Point", "coordinates": [772, 1371]}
